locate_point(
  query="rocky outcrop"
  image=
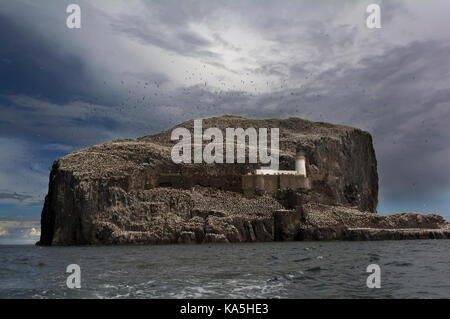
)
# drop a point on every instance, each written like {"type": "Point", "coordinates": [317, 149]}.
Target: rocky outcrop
{"type": "Point", "coordinates": [130, 191]}
{"type": "Point", "coordinates": [325, 222]}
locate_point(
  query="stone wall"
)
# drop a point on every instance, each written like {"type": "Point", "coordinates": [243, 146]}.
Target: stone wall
{"type": "Point", "coordinates": [271, 184]}
{"type": "Point", "coordinates": [224, 182]}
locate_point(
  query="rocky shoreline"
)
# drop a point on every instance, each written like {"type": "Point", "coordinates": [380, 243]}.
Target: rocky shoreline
{"type": "Point", "coordinates": [130, 192]}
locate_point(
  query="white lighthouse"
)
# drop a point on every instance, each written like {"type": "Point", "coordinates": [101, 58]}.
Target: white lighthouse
{"type": "Point", "coordinates": [300, 164]}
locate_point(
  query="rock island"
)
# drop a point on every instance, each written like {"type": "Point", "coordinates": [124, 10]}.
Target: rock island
{"type": "Point", "coordinates": [131, 192]}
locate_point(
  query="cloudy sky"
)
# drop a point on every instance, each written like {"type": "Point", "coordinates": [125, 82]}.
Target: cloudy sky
{"type": "Point", "coordinates": [137, 67]}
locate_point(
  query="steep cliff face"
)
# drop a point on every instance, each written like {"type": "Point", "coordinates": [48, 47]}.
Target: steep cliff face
{"type": "Point", "coordinates": [112, 193]}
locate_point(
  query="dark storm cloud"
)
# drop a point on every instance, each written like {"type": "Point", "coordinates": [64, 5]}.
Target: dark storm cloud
{"type": "Point", "coordinates": [30, 65]}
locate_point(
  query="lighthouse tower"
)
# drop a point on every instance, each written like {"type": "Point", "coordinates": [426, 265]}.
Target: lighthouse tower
{"type": "Point", "coordinates": [300, 166]}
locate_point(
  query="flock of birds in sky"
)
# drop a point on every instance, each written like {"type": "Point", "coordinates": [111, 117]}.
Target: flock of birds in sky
{"type": "Point", "coordinates": [197, 98]}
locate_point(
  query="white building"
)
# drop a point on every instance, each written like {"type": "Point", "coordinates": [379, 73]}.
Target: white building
{"type": "Point", "coordinates": [300, 166]}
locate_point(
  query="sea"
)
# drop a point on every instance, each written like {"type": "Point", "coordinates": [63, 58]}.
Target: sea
{"type": "Point", "coordinates": [337, 269]}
